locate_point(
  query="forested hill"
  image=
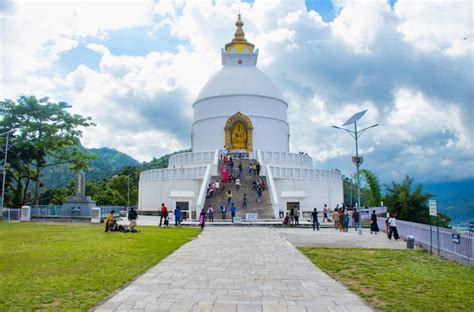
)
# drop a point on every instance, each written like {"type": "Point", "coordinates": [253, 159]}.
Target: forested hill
{"type": "Point", "coordinates": [106, 163]}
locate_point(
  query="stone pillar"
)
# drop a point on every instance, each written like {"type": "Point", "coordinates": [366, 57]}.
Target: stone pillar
{"type": "Point", "coordinates": [25, 215]}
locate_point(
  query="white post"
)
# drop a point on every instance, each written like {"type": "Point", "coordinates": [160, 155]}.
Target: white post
{"type": "Point", "coordinates": [25, 215]}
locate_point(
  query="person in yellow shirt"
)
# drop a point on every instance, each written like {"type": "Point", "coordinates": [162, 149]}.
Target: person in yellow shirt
{"type": "Point", "coordinates": [108, 221]}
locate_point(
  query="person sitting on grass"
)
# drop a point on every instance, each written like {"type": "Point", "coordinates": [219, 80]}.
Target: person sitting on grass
{"type": "Point", "coordinates": [108, 221]}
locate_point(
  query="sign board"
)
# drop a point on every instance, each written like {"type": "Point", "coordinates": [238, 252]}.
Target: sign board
{"type": "Point", "coordinates": [433, 208]}
{"type": "Point", "coordinates": [456, 238]}
{"type": "Point", "coordinates": [250, 217]}
{"type": "Point", "coordinates": [237, 220]}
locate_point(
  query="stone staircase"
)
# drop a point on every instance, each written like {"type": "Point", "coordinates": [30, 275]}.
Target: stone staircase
{"type": "Point", "coordinates": [264, 209]}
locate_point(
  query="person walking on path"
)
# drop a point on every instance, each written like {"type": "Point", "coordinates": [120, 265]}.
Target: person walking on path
{"type": "Point", "coordinates": [281, 214]}
{"type": "Point", "coordinates": [177, 216]}
{"type": "Point", "coordinates": [237, 184]}
{"type": "Point", "coordinates": [132, 218]}
{"type": "Point", "coordinates": [217, 186]}
{"type": "Point", "coordinates": [244, 202]}
{"type": "Point", "coordinates": [241, 169]}
{"type": "Point", "coordinates": [109, 220]}
{"type": "Point", "coordinates": [393, 227]}
{"type": "Point", "coordinates": [325, 213]}
{"type": "Point", "coordinates": [202, 219]}
{"type": "Point", "coordinates": [297, 216]}
{"type": "Point", "coordinates": [374, 227]}
{"type": "Point", "coordinates": [164, 213]}
{"type": "Point", "coordinates": [355, 219]}
{"type": "Point", "coordinates": [233, 210]}
{"type": "Point", "coordinates": [210, 213]}
{"type": "Point", "coordinates": [257, 168]}
{"type": "Point", "coordinates": [292, 216]}
{"type": "Point", "coordinates": [223, 210]}
{"type": "Point", "coordinates": [335, 218]}
{"type": "Point", "coordinates": [347, 219]}
{"type": "Point", "coordinates": [314, 217]}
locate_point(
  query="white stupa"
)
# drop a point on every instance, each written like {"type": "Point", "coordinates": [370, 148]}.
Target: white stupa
{"type": "Point", "coordinates": [240, 109]}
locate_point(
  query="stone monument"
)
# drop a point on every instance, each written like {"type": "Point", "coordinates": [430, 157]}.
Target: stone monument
{"type": "Point", "coordinates": [78, 205]}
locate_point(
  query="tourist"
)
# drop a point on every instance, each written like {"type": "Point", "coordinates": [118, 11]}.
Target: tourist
{"type": "Point", "coordinates": [292, 216]}
{"type": "Point", "coordinates": [223, 210]}
{"type": "Point", "coordinates": [254, 169]}
{"type": "Point", "coordinates": [217, 186]}
{"type": "Point", "coordinates": [241, 169]}
{"type": "Point", "coordinates": [163, 214]}
{"type": "Point", "coordinates": [132, 218]}
{"type": "Point", "coordinates": [355, 218]}
{"type": "Point", "coordinates": [109, 220]}
{"type": "Point", "coordinates": [263, 185]}
{"type": "Point", "coordinates": [347, 219]}
{"type": "Point", "coordinates": [229, 197]}
{"type": "Point", "coordinates": [335, 218]}
{"type": "Point", "coordinates": [237, 184]}
{"type": "Point", "coordinates": [281, 214]}
{"type": "Point", "coordinates": [244, 202]}
{"type": "Point", "coordinates": [225, 176]}
{"type": "Point", "coordinates": [210, 213]}
{"type": "Point", "coordinates": [393, 227]}
{"type": "Point", "coordinates": [297, 216]}
{"type": "Point", "coordinates": [259, 195]}
{"type": "Point", "coordinates": [374, 227]}
{"type": "Point", "coordinates": [177, 216]}
{"type": "Point", "coordinates": [257, 168]}
{"type": "Point", "coordinates": [233, 211]}
{"type": "Point", "coordinates": [341, 220]}
{"type": "Point", "coordinates": [202, 219]}
{"type": "Point", "coordinates": [314, 218]}
{"type": "Point", "coordinates": [325, 213]}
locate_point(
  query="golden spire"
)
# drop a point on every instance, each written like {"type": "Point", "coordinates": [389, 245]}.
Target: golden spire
{"type": "Point", "coordinates": [239, 43]}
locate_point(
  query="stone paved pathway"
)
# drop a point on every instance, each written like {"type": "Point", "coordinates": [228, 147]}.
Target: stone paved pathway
{"type": "Point", "coordinates": [235, 269]}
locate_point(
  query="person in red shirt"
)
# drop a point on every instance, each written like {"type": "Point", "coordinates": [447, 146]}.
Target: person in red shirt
{"type": "Point", "coordinates": [164, 213]}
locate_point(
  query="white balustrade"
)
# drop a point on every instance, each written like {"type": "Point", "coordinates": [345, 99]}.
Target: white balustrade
{"type": "Point", "coordinates": [304, 173]}
{"type": "Point", "coordinates": [290, 158]}
{"type": "Point", "coordinates": [182, 159]}
{"type": "Point", "coordinates": [173, 174]}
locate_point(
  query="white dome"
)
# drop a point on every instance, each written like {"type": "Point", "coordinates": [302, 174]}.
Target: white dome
{"type": "Point", "coordinates": [239, 80]}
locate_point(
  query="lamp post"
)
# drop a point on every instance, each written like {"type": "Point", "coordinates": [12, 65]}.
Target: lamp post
{"type": "Point", "coordinates": [5, 165]}
{"type": "Point", "coordinates": [356, 159]}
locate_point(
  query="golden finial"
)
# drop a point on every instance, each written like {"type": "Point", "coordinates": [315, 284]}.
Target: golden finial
{"type": "Point", "coordinates": [239, 43]}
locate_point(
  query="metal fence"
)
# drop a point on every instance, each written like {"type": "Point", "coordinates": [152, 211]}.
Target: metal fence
{"type": "Point", "coordinates": [118, 210]}
{"type": "Point", "coordinates": [45, 211]}
{"type": "Point", "coordinates": [461, 253]}
{"type": "Point", "coordinates": [11, 214]}
{"type": "Point", "coordinates": [39, 211]}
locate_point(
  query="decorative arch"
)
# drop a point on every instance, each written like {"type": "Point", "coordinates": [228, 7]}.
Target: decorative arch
{"type": "Point", "coordinates": [238, 132]}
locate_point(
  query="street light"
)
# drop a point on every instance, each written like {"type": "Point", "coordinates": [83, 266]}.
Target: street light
{"type": "Point", "coordinates": [5, 164]}
{"type": "Point", "coordinates": [357, 160]}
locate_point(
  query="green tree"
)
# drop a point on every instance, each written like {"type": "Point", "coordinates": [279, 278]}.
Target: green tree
{"type": "Point", "coordinates": [110, 197]}
{"type": "Point", "coordinates": [373, 196]}
{"type": "Point", "coordinates": [407, 201]}
{"type": "Point", "coordinates": [47, 135]}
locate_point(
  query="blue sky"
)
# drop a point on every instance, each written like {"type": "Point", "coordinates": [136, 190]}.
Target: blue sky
{"type": "Point", "coordinates": [136, 67]}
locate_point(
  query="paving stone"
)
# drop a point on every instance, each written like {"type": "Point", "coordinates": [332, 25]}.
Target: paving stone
{"type": "Point", "coordinates": [235, 269]}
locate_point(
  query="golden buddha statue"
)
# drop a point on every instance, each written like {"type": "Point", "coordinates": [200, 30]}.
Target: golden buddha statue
{"type": "Point", "coordinates": [239, 136]}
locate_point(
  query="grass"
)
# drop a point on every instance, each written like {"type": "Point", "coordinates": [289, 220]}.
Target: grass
{"type": "Point", "coordinates": [67, 267]}
{"type": "Point", "coordinates": [399, 280]}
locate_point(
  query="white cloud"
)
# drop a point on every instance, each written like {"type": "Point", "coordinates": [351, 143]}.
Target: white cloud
{"type": "Point", "coordinates": [406, 65]}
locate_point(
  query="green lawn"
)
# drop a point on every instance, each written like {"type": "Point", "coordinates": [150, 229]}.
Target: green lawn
{"type": "Point", "coordinates": [399, 280]}
{"type": "Point", "coordinates": [75, 266]}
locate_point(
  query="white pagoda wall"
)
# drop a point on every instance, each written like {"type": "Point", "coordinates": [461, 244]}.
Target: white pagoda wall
{"type": "Point", "coordinates": [153, 193]}
{"type": "Point", "coordinates": [318, 193]}
{"type": "Point", "coordinates": [268, 116]}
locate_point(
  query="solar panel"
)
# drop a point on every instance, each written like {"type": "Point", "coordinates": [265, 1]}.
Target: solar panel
{"type": "Point", "coordinates": [354, 118]}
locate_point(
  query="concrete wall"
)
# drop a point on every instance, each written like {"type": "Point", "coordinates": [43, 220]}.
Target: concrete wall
{"type": "Point", "coordinates": [318, 193]}
{"type": "Point", "coordinates": [153, 193]}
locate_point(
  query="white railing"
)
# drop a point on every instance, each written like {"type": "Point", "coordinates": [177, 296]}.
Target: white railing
{"type": "Point", "coordinates": [203, 191]}
{"type": "Point", "coordinates": [462, 253]}
{"type": "Point", "coordinates": [273, 193]}
{"type": "Point", "coordinates": [298, 159]}
{"type": "Point", "coordinates": [183, 159]}
{"type": "Point", "coordinates": [173, 174]}
{"type": "Point", "coordinates": [11, 214]}
{"type": "Point", "coordinates": [303, 173]}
